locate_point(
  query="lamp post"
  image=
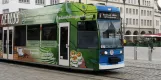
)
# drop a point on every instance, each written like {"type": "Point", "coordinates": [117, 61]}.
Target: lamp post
{"type": "Point", "coordinates": [139, 16]}
{"type": "Point", "coordinates": [124, 17]}
{"type": "Point", "coordinates": [153, 17]}
{"type": "Point", "coordinates": [106, 2]}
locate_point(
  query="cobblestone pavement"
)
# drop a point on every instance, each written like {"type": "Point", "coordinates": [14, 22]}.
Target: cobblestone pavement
{"type": "Point", "coordinates": [142, 53]}
{"type": "Point", "coordinates": [134, 70]}
{"type": "Point", "coordinates": [9, 71]}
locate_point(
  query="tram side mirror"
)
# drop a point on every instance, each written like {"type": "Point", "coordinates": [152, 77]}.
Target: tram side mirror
{"type": "Point", "coordinates": [83, 18]}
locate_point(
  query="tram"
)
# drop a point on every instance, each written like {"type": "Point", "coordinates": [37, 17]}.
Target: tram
{"type": "Point", "coordinates": [71, 35]}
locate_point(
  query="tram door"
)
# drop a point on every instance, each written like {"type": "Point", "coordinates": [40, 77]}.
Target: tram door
{"type": "Point", "coordinates": [64, 44]}
{"type": "Point", "coordinates": [8, 42]}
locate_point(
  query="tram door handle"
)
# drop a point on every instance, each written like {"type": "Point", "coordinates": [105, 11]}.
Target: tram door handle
{"type": "Point", "coordinates": [67, 45]}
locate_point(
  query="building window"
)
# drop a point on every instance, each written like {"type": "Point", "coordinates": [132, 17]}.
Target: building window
{"type": "Point", "coordinates": [147, 13]}
{"type": "Point", "coordinates": [127, 21]}
{"type": "Point", "coordinates": [130, 21]}
{"type": "Point", "coordinates": [144, 22]}
{"type": "Point", "coordinates": [133, 11]}
{"type": "Point", "coordinates": [136, 11]}
{"type": "Point", "coordinates": [149, 3]}
{"type": "Point", "coordinates": [150, 13]}
{"type": "Point", "coordinates": [141, 22]}
{"type": "Point", "coordinates": [24, 1]}
{"type": "Point", "coordinates": [5, 10]}
{"type": "Point", "coordinates": [129, 1]}
{"type": "Point", "coordinates": [5, 1]}
{"type": "Point", "coordinates": [133, 21]}
{"type": "Point", "coordinates": [150, 22]}
{"type": "Point", "coordinates": [143, 2]}
{"type": "Point", "coordinates": [142, 12]}
{"type": "Point", "coordinates": [127, 10]}
{"type": "Point", "coordinates": [40, 2]}
{"type": "Point", "coordinates": [160, 27]}
{"type": "Point", "coordinates": [147, 22]}
{"type": "Point", "coordinates": [136, 21]}
{"type": "Point", "coordinates": [53, 2]}
{"type": "Point", "coordinates": [134, 1]}
{"type": "Point", "coordinates": [157, 23]}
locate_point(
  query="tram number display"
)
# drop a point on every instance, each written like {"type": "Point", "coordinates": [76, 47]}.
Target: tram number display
{"type": "Point", "coordinates": [107, 15]}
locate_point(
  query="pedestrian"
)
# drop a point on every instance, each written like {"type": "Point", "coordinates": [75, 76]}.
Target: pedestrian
{"type": "Point", "coordinates": [151, 45]}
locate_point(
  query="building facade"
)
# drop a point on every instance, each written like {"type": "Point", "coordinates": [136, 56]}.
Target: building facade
{"type": "Point", "coordinates": [137, 19]}
{"type": "Point", "coordinates": [18, 5]}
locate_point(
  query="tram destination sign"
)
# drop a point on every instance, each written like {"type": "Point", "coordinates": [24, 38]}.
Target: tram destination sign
{"type": "Point", "coordinates": [108, 15]}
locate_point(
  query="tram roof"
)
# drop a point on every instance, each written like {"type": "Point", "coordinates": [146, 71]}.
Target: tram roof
{"type": "Point", "coordinates": [47, 14]}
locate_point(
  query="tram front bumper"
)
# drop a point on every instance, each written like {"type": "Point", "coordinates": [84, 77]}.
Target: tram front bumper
{"type": "Point", "coordinates": [103, 66]}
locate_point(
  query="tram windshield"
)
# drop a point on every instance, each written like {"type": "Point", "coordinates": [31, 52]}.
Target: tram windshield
{"type": "Point", "coordinates": [110, 33]}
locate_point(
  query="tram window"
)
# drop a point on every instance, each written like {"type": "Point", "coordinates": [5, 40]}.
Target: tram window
{"type": "Point", "coordinates": [1, 33]}
{"type": "Point", "coordinates": [87, 34]}
{"type": "Point", "coordinates": [33, 32]}
{"type": "Point", "coordinates": [87, 26]}
{"type": "Point", "coordinates": [20, 36]}
{"type": "Point", "coordinates": [49, 32]}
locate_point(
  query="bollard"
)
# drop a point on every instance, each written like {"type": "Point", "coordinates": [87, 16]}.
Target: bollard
{"type": "Point", "coordinates": [150, 55]}
{"type": "Point", "coordinates": [135, 53]}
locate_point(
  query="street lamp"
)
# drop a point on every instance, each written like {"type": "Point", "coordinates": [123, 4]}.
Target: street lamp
{"type": "Point", "coordinates": [106, 2]}
{"type": "Point", "coordinates": [139, 16]}
{"type": "Point", "coordinates": [124, 17]}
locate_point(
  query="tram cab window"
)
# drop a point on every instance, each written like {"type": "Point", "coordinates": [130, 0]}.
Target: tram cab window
{"type": "Point", "coordinates": [49, 32]}
{"type": "Point", "coordinates": [87, 34]}
{"type": "Point", "coordinates": [20, 36]}
{"type": "Point", "coordinates": [33, 32]}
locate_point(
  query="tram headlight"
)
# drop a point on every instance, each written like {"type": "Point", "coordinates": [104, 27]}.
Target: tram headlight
{"type": "Point", "coordinates": [105, 52]}
{"type": "Point", "coordinates": [109, 9]}
{"type": "Point", "coordinates": [111, 52]}
{"type": "Point", "coordinates": [121, 51]}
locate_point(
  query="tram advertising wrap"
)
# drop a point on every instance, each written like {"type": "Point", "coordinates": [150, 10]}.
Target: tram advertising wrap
{"type": "Point", "coordinates": [72, 35]}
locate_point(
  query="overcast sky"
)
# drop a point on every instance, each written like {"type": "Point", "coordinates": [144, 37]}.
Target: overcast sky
{"type": "Point", "coordinates": [159, 1]}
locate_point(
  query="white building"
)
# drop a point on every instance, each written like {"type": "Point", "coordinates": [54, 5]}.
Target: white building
{"type": "Point", "coordinates": [142, 19]}
{"type": "Point", "coordinates": [137, 20]}
{"type": "Point", "coordinates": [18, 5]}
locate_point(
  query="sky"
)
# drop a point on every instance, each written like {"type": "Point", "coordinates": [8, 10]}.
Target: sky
{"type": "Point", "coordinates": [159, 2]}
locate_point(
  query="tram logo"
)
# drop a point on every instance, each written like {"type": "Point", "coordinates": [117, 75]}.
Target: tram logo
{"type": "Point", "coordinates": [10, 18]}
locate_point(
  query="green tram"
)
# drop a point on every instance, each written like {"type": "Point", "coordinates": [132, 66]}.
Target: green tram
{"type": "Point", "coordinates": [72, 35]}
